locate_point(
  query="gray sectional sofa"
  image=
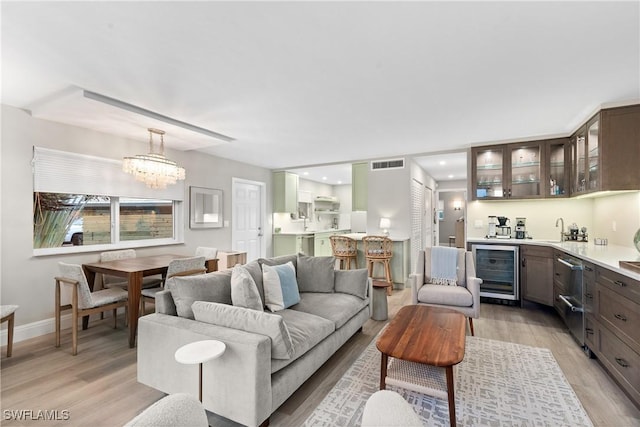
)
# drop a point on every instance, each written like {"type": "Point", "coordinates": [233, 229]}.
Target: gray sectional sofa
{"type": "Point", "coordinates": [268, 355]}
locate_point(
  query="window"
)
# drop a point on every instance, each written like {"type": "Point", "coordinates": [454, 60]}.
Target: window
{"type": "Point", "coordinates": [84, 203]}
{"type": "Point", "coordinates": [62, 220]}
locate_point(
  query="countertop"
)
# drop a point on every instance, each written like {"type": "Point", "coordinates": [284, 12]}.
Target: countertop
{"type": "Point", "coordinates": [607, 256]}
{"type": "Point", "coordinates": [312, 232]}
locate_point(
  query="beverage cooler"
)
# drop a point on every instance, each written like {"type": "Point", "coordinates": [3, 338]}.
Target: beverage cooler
{"type": "Point", "coordinates": [497, 266]}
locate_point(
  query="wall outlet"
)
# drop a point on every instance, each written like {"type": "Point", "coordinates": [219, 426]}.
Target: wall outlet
{"type": "Point", "coordinates": [614, 226]}
{"type": "Point", "coordinates": [477, 223]}
{"type": "Point", "coordinates": [226, 223]}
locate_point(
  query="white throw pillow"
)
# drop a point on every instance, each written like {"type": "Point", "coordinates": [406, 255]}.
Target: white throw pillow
{"type": "Point", "coordinates": [244, 292]}
{"type": "Point", "coordinates": [280, 286]}
{"type": "Point", "coordinates": [258, 322]}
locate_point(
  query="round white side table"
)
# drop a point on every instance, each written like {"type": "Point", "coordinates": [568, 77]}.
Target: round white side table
{"type": "Point", "coordinates": [200, 352]}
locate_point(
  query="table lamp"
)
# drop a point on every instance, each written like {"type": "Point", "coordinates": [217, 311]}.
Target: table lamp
{"type": "Point", "coordinates": [385, 224]}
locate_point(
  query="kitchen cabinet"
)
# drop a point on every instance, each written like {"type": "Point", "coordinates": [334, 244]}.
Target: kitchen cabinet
{"type": "Point", "coordinates": [322, 242]}
{"type": "Point", "coordinates": [556, 168]}
{"type": "Point", "coordinates": [288, 244]}
{"type": "Point", "coordinates": [536, 274]}
{"type": "Point", "coordinates": [285, 192]}
{"type": "Point", "coordinates": [359, 186]}
{"type": "Point", "coordinates": [508, 171]}
{"type": "Point", "coordinates": [560, 283]}
{"type": "Point", "coordinates": [615, 320]}
{"type": "Point", "coordinates": [605, 152]}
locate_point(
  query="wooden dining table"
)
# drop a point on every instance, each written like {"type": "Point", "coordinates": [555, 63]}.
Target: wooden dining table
{"type": "Point", "coordinates": [134, 269]}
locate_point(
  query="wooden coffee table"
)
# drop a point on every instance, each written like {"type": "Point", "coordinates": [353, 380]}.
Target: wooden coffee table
{"type": "Point", "coordinates": [425, 335]}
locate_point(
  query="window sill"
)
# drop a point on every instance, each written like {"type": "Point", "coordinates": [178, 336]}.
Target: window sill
{"type": "Point", "coordinates": [64, 250]}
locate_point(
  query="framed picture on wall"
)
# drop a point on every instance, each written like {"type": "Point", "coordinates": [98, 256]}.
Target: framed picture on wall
{"type": "Point", "coordinates": [205, 208]}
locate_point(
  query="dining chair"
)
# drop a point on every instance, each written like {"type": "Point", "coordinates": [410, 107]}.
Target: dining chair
{"type": "Point", "coordinates": [344, 248]}
{"type": "Point", "coordinates": [177, 267]}
{"type": "Point", "coordinates": [109, 281]}
{"type": "Point", "coordinates": [379, 249]}
{"type": "Point", "coordinates": [83, 302]}
{"type": "Point", "coordinates": [208, 253]}
{"type": "Point", "coordinates": [7, 313]}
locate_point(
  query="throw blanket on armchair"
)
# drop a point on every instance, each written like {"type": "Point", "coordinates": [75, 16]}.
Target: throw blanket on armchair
{"type": "Point", "coordinates": [444, 265]}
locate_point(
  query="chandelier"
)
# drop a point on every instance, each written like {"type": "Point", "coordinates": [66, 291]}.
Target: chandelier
{"type": "Point", "coordinates": [154, 169]}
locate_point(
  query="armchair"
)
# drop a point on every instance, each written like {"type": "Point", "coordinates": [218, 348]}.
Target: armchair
{"type": "Point", "coordinates": [464, 297]}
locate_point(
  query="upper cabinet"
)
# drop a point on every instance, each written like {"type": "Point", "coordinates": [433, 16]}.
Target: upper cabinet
{"type": "Point", "coordinates": [285, 192]}
{"type": "Point", "coordinates": [359, 186]}
{"type": "Point", "coordinates": [518, 171]}
{"type": "Point", "coordinates": [605, 152]}
{"type": "Point", "coordinates": [557, 172]}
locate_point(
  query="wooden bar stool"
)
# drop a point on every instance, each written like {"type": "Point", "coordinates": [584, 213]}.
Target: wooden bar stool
{"type": "Point", "coordinates": [344, 249]}
{"type": "Point", "coordinates": [7, 313]}
{"type": "Point", "coordinates": [379, 249]}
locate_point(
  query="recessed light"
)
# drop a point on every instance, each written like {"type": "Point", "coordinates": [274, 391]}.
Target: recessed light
{"type": "Point", "coordinates": [339, 182]}
{"type": "Point", "coordinates": [450, 176]}
{"type": "Point", "coordinates": [442, 162]}
{"type": "Point", "coordinates": [305, 173]}
{"type": "Point", "coordinates": [324, 178]}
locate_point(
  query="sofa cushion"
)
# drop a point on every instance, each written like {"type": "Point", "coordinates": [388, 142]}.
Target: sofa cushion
{"type": "Point", "coordinates": [315, 274]}
{"type": "Point", "coordinates": [213, 287]}
{"type": "Point", "coordinates": [306, 331]}
{"type": "Point", "coordinates": [337, 307]}
{"type": "Point", "coordinates": [280, 286]}
{"type": "Point", "coordinates": [279, 260]}
{"type": "Point", "coordinates": [457, 296]}
{"type": "Point", "coordinates": [353, 282]}
{"type": "Point", "coordinates": [258, 322]}
{"type": "Point", "coordinates": [244, 292]}
{"type": "Point", "coordinates": [255, 270]}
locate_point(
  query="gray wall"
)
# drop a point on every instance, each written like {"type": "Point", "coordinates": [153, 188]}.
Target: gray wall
{"type": "Point", "coordinates": [29, 281]}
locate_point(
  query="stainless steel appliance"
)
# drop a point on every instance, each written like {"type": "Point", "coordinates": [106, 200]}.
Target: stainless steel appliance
{"type": "Point", "coordinates": [497, 266]}
{"type": "Point", "coordinates": [521, 229]}
{"type": "Point", "coordinates": [503, 229]}
{"type": "Point", "coordinates": [568, 294]}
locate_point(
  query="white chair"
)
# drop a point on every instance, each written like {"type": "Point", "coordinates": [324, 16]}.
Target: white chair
{"type": "Point", "coordinates": [177, 267]}
{"type": "Point", "coordinates": [83, 301]}
{"type": "Point", "coordinates": [111, 281]}
{"type": "Point", "coordinates": [7, 313]}
{"type": "Point", "coordinates": [207, 253]}
{"type": "Point", "coordinates": [386, 408]}
{"type": "Point", "coordinates": [463, 297]}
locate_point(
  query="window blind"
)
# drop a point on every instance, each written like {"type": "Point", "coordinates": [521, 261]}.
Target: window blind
{"type": "Point", "coordinates": [57, 171]}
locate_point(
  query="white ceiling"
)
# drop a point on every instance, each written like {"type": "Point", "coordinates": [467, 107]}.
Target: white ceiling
{"type": "Point", "coordinates": [303, 83]}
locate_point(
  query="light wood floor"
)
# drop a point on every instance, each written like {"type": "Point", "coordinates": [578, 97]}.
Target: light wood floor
{"type": "Point", "coordinates": [98, 386]}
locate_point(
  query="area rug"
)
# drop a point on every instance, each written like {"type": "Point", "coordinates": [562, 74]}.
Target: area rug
{"type": "Point", "coordinates": [497, 384]}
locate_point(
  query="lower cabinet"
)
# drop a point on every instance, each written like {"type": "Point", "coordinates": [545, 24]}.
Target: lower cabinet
{"type": "Point", "coordinates": [290, 244]}
{"type": "Point", "coordinates": [611, 326]}
{"type": "Point", "coordinates": [536, 274]}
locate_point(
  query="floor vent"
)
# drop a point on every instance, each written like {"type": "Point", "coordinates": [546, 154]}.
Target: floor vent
{"type": "Point", "coordinates": [387, 164]}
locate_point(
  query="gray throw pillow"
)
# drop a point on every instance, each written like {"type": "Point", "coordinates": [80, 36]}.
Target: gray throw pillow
{"type": "Point", "coordinates": [353, 282]}
{"type": "Point", "coordinates": [258, 322]}
{"type": "Point", "coordinates": [185, 290]}
{"type": "Point", "coordinates": [244, 292]}
{"type": "Point", "coordinates": [280, 260]}
{"type": "Point", "coordinates": [255, 270]}
{"type": "Point", "coordinates": [316, 274]}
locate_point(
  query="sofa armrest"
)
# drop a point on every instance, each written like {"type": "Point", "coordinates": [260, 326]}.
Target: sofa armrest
{"type": "Point", "coordinates": [236, 386]}
{"type": "Point", "coordinates": [416, 280]}
{"type": "Point", "coordinates": [165, 304]}
{"type": "Point", "coordinates": [473, 285]}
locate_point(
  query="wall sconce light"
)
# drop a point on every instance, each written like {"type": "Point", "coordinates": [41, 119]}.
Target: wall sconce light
{"type": "Point", "coordinates": [385, 225]}
{"type": "Point", "coordinates": [457, 205]}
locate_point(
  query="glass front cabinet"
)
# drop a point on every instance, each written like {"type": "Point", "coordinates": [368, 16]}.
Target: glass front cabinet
{"type": "Point", "coordinates": [585, 165]}
{"type": "Point", "coordinates": [527, 170]}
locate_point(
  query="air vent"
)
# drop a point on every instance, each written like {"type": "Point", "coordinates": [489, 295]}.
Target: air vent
{"type": "Point", "coordinates": [387, 164]}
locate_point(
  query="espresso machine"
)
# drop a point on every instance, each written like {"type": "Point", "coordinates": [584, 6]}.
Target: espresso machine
{"type": "Point", "coordinates": [521, 229]}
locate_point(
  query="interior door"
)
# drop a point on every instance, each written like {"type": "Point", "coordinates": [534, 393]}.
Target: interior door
{"type": "Point", "coordinates": [428, 218]}
{"type": "Point", "coordinates": [248, 213]}
{"type": "Point", "coordinates": [417, 220]}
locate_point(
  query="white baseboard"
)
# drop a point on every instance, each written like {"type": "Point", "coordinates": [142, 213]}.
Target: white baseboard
{"type": "Point", "coordinates": [39, 328]}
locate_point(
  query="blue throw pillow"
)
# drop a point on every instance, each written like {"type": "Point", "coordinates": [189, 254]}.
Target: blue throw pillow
{"type": "Point", "coordinates": [280, 286]}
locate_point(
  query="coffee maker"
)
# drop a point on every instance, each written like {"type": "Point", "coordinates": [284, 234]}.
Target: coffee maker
{"type": "Point", "coordinates": [521, 230]}
{"type": "Point", "coordinates": [503, 229]}
{"type": "Point", "coordinates": [493, 222]}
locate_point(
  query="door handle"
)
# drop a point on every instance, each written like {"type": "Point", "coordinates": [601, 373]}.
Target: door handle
{"type": "Point", "coordinates": [571, 306]}
{"type": "Point", "coordinates": [620, 361]}
{"type": "Point", "coordinates": [619, 283]}
{"type": "Point", "coordinates": [260, 234]}
{"type": "Point", "coordinates": [620, 317]}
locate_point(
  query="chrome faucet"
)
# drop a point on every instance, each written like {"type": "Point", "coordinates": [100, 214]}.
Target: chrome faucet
{"type": "Point", "coordinates": [561, 221]}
